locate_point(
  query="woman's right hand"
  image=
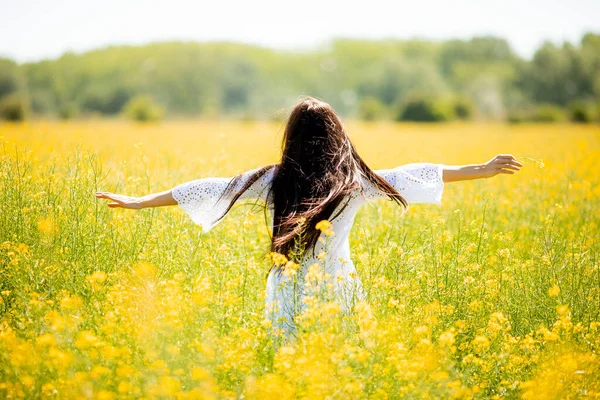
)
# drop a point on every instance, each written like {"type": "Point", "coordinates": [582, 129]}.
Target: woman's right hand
{"type": "Point", "coordinates": [120, 201]}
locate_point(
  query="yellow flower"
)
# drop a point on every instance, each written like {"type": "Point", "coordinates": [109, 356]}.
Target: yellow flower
{"type": "Point", "coordinates": [97, 277]}
{"type": "Point", "coordinates": [291, 268]}
{"type": "Point", "coordinates": [447, 338]}
{"type": "Point", "coordinates": [554, 291]}
{"type": "Point", "coordinates": [278, 259]}
{"type": "Point", "coordinates": [475, 305]}
{"type": "Point", "coordinates": [481, 342]}
{"type": "Point", "coordinates": [47, 339]}
{"type": "Point", "coordinates": [46, 225]}
{"type": "Point", "coordinates": [145, 270]}
{"type": "Point", "coordinates": [200, 374]}
{"type": "Point", "coordinates": [98, 372]}
{"type": "Point", "coordinates": [124, 387]}
{"type": "Point", "coordinates": [325, 227]}
{"type": "Point", "coordinates": [71, 302]}
{"type": "Point", "coordinates": [105, 395]}
{"type": "Point", "coordinates": [86, 339]}
{"type": "Point", "coordinates": [562, 310]}
{"type": "Point", "coordinates": [28, 381]}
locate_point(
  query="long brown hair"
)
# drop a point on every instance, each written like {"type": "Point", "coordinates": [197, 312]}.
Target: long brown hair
{"type": "Point", "coordinates": [319, 169]}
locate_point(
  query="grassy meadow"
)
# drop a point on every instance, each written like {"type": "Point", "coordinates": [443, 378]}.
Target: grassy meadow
{"type": "Point", "coordinates": [495, 294]}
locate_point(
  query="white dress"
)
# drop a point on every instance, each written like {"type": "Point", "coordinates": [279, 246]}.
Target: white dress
{"type": "Point", "coordinates": [202, 200]}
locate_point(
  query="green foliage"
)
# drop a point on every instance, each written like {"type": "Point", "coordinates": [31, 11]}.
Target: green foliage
{"type": "Point", "coordinates": [10, 77]}
{"type": "Point", "coordinates": [361, 78]}
{"type": "Point", "coordinates": [143, 108]}
{"type": "Point", "coordinates": [541, 113]}
{"type": "Point", "coordinates": [516, 116]}
{"type": "Point", "coordinates": [13, 107]}
{"type": "Point", "coordinates": [371, 109]}
{"type": "Point", "coordinates": [580, 112]}
{"type": "Point", "coordinates": [68, 111]}
{"type": "Point", "coordinates": [548, 113]}
{"type": "Point", "coordinates": [425, 109]}
{"type": "Point", "coordinates": [463, 108]}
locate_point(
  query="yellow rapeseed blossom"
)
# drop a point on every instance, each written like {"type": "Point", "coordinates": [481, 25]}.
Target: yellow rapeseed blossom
{"type": "Point", "coordinates": [145, 270]}
{"type": "Point", "coordinates": [86, 339]}
{"type": "Point", "coordinates": [325, 227]}
{"type": "Point", "coordinates": [71, 302]}
{"type": "Point", "coordinates": [278, 259]}
{"type": "Point", "coordinates": [291, 268]}
{"type": "Point", "coordinates": [97, 276]}
{"type": "Point", "coordinates": [562, 310]}
{"type": "Point", "coordinates": [183, 313]}
{"type": "Point", "coordinates": [481, 343]}
{"type": "Point", "coordinates": [554, 291]}
{"type": "Point", "coordinates": [46, 225]}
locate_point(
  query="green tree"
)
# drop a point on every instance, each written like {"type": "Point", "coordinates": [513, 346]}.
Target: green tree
{"type": "Point", "coordinates": [371, 109]}
{"type": "Point", "coordinates": [580, 112]}
{"type": "Point", "coordinates": [425, 109]}
{"type": "Point", "coordinates": [10, 80]}
{"type": "Point", "coordinates": [143, 108]}
{"type": "Point", "coordinates": [13, 107]}
{"type": "Point", "coordinates": [548, 113]}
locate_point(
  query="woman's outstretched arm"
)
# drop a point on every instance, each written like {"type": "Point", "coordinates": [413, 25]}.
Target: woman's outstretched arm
{"type": "Point", "coordinates": [501, 164]}
{"type": "Point", "coordinates": [137, 203]}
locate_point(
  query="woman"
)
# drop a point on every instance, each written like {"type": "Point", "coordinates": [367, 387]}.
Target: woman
{"type": "Point", "coordinates": [320, 177]}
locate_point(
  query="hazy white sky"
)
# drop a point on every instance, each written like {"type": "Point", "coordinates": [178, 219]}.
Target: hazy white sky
{"type": "Point", "coordinates": [31, 30]}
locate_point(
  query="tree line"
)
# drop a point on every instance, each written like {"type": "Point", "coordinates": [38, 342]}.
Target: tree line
{"type": "Point", "coordinates": [414, 80]}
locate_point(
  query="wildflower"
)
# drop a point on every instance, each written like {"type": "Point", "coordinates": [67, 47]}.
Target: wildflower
{"type": "Point", "coordinates": [562, 310]}
{"type": "Point", "coordinates": [97, 277]}
{"type": "Point", "coordinates": [504, 253]}
{"type": "Point", "coordinates": [49, 389]}
{"type": "Point", "coordinates": [481, 342]}
{"type": "Point", "coordinates": [98, 372]}
{"type": "Point", "coordinates": [539, 163]}
{"type": "Point", "coordinates": [200, 374]}
{"type": "Point", "coordinates": [47, 339]}
{"type": "Point", "coordinates": [46, 225]}
{"type": "Point", "coordinates": [277, 258]}
{"type": "Point", "coordinates": [291, 268]}
{"type": "Point", "coordinates": [105, 395]}
{"type": "Point", "coordinates": [145, 270]}
{"type": "Point", "coordinates": [554, 291]}
{"type": "Point", "coordinates": [86, 339]}
{"type": "Point", "coordinates": [28, 381]}
{"type": "Point", "coordinates": [475, 305]}
{"type": "Point", "coordinates": [325, 227]}
{"type": "Point", "coordinates": [59, 358]}
{"type": "Point", "coordinates": [447, 338]}
{"type": "Point", "coordinates": [71, 302]}
{"type": "Point", "coordinates": [124, 387]}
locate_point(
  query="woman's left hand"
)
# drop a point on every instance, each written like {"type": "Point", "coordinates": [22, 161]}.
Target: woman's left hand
{"type": "Point", "coordinates": [501, 164]}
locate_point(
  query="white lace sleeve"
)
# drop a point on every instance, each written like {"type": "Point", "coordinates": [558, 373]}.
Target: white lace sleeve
{"type": "Point", "coordinates": [417, 182]}
{"type": "Point", "coordinates": [205, 200]}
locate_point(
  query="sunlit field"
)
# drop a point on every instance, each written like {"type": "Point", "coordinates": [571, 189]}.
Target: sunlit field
{"type": "Point", "coordinates": [494, 294]}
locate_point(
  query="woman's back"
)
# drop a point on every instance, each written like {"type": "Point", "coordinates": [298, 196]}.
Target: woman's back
{"type": "Point", "coordinates": [205, 200]}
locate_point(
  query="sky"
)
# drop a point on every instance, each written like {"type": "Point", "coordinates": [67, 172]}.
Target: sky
{"type": "Point", "coordinates": [32, 30]}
